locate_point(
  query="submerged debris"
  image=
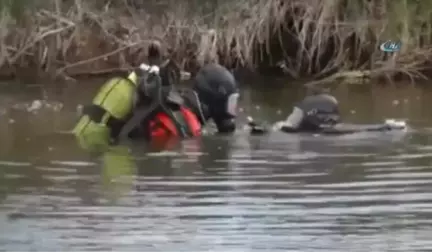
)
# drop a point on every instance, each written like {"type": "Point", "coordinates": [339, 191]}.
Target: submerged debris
{"type": "Point", "coordinates": [36, 105]}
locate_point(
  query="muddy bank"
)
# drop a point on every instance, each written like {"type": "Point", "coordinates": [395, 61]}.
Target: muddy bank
{"type": "Point", "coordinates": [297, 38]}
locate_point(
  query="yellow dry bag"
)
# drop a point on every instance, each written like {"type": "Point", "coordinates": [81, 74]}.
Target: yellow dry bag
{"type": "Point", "coordinates": [110, 108]}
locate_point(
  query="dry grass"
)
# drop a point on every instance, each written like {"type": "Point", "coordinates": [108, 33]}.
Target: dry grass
{"type": "Point", "coordinates": [310, 38]}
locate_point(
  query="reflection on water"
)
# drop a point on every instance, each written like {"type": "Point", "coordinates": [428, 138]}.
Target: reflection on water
{"type": "Point", "coordinates": [364, 192]}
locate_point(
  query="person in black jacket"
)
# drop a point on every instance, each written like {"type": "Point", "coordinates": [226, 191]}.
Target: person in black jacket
{"type": "Point", "coordinates": [319, 113]}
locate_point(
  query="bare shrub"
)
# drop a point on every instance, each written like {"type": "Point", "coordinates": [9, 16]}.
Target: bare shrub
{"type": "Point", "coordinates": [75, 36]}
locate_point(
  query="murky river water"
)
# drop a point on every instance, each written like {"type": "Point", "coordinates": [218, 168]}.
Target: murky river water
{"type": "Point", "coordinates": [364, 192]}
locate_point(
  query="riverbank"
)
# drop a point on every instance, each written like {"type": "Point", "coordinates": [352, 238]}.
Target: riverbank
{"type": "Point", "coordinates": [299, 38]}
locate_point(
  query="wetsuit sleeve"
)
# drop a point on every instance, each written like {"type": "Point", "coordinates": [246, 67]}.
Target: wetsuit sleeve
{"type": "Point", "coordinates": [293, 121]}
{"type": "Point", "coordinates": [192, 101]}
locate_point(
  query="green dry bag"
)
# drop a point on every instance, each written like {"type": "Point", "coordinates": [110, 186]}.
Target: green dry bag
{"type": "Point", "coordinates": [112, 105]}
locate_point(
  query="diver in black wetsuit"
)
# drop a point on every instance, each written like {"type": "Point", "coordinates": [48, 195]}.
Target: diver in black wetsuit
{"type": "Point", "coordinates": [319, 113]}
{"type": "Point", "coordinates": [214, 95]}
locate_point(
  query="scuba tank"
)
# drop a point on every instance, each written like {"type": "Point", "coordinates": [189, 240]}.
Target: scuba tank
{"type": "Point", "coordinates": [101, 121]}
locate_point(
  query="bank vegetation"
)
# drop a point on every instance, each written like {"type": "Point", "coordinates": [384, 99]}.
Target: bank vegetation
{"type": "Point", "coordinates": [301, 38]}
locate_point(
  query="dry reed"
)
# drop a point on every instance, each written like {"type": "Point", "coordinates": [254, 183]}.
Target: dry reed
{"type": "Point", "coordinates": [311, 38]}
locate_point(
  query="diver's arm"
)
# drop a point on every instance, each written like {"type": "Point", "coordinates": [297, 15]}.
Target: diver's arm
{"type": "Point", "coordinates": [343, 128]}
{"type": "Point", "coordinates": [292, 123]}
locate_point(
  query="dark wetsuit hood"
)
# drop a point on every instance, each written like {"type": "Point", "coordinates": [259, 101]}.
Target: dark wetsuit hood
{"type": "Point", "coordinates": [320, 109]}
{"type": "Point", "coordinates": [215, 86]}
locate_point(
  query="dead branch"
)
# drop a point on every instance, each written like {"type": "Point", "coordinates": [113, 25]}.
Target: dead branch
{"type": "Point", "coordinates": [37, 39]}
{"type": "Point", "coordinates": [98, 57]}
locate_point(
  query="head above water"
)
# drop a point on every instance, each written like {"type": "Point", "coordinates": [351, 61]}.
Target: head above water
{"type": "Point", "coordinates": [319, 108]}
{"type": "Point", "coordinates": [154, 53]}
{"type": "Point", "coordinates": [217, 90]}
{"type": "Point", "coordinates": [324, 93]}
{"type": "Point", "coordinates": [170, 72]}
{"type": "Point", "coordinates": [148, 82]}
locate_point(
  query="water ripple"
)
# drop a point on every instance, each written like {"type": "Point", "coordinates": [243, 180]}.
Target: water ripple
{"type": "Point", "coordinates": [244, 199]}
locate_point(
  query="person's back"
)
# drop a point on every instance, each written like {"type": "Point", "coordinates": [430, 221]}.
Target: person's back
{"type": "Point", "coordinates": [214, 95]}
{"type": "Point", "coordinates": [160, 111]}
